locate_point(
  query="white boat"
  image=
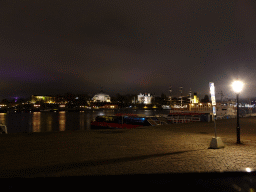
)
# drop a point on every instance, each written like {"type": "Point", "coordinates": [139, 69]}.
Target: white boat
{"type": "Point", "coordinates": [3, 129]}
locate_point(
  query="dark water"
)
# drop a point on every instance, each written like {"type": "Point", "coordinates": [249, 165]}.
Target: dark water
{"type": "Point", "coordinates": [60, 121]}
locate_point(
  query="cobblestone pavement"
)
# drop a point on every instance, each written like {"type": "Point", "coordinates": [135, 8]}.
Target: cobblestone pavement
{"type": "Point", "coordinates": [159, 149]}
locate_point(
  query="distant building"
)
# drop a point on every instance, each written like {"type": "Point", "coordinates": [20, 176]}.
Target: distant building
{"type": "Point", "coordinates": [101, 97]}
{"type": "Point", "coordinates": [195, 99]}
{"type": "Point", "coordinates": [45, 99]}
{"type": "Point", "coordinates": [144, 99]}
{"type": "Point", "coordinates": [110, 106]}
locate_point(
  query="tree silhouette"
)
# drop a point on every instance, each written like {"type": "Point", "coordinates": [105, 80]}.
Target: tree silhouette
{"type": "Point", "coordinates": [205, 99]}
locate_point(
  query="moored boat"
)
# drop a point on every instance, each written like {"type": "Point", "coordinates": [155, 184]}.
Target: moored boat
{"type": "Point", "coordinates": [121, 121]}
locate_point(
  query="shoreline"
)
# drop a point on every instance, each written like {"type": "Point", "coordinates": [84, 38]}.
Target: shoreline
{"type": "Point", "coordinates": [93, 109]}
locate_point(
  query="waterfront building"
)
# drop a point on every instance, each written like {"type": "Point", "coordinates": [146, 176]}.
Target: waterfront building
{"type": "Point", "coordinates": [195, 99]}
{"type": "Point", "coordinates": [144, 98]}
{"type": "Point", "coordinates": [45, 99]}
{"type": "Point", "coordinates": [110, 106]}
{"type": "Point", "coordinates": [101, 97]}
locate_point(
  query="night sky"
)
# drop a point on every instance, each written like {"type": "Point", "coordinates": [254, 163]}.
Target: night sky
{"type": "Point", "coordinates": [57, 46]}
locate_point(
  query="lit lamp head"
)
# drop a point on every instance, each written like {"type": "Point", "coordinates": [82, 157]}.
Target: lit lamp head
{"type": "Point", "coordinates": [237, 86]}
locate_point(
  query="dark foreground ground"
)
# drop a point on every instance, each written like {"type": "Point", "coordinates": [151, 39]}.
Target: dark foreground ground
{"type": "Point", "coordinates": [180, 148]}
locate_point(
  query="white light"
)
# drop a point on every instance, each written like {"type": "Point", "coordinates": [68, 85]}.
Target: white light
{"type": "Point", "coordinates": [237, 86]}
{"type": "Point", "coordinates": [248, 169]}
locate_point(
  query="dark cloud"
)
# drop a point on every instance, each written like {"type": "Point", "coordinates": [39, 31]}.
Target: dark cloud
{"type": "Point", "coordinates": [126, 46]}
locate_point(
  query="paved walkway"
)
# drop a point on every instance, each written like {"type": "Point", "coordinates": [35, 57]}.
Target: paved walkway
{"type": "Point", "coordinates": [159, 149]}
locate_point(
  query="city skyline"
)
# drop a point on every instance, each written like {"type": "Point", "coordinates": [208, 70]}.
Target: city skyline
{"type": "Point", "coordinates": [52, 47]}
{"type": "Point", "coordinates": [90, 97]}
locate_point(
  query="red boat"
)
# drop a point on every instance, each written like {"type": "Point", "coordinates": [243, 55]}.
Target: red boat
{"type": "Point", "coordinates": [119, 121]}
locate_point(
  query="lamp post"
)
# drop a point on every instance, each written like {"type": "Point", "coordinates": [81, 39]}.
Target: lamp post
{"type": "Point", "coordinates": [237, 87]}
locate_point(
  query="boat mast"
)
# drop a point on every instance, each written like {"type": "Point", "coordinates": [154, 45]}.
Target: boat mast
{"type": "Point", "coordinates": [181, 96]}
{"type": "Point", "coordinates": [190, 94]}
{"type": "Point", "coordinates": [170, 97]}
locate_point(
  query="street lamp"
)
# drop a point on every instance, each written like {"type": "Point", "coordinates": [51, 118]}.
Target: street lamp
{"type": "Point", "coordinates": [237, 87]}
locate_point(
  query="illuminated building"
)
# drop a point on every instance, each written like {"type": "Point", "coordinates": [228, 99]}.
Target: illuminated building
{"type": "Point", "coordinates": [45, 99]}
{"type": "Point", "coordinates": [101, 97]}
{"type": "Point", "coordinates": [195, 99]}
{"type": "Point", "coordinates": [144, 99]}
{"type": "Point", "coordinates": [108, 106]}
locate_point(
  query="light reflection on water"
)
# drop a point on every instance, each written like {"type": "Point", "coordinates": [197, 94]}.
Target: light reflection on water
{"type": "Point", "coordinates": [49, 122]}
{"type": "Point", "coordinates": [60, 121]}
{"type": "Point", "coordinates": [36, 121]}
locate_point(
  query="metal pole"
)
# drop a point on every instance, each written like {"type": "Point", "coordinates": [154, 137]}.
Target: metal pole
{"type": "Point", "coordinates": [215, 126]}
{"type": "Point", "coordinates": [238, 126]}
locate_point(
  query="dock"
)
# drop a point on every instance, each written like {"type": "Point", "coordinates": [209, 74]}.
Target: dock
{"type": "Point", "coordinates": [172, 148]}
